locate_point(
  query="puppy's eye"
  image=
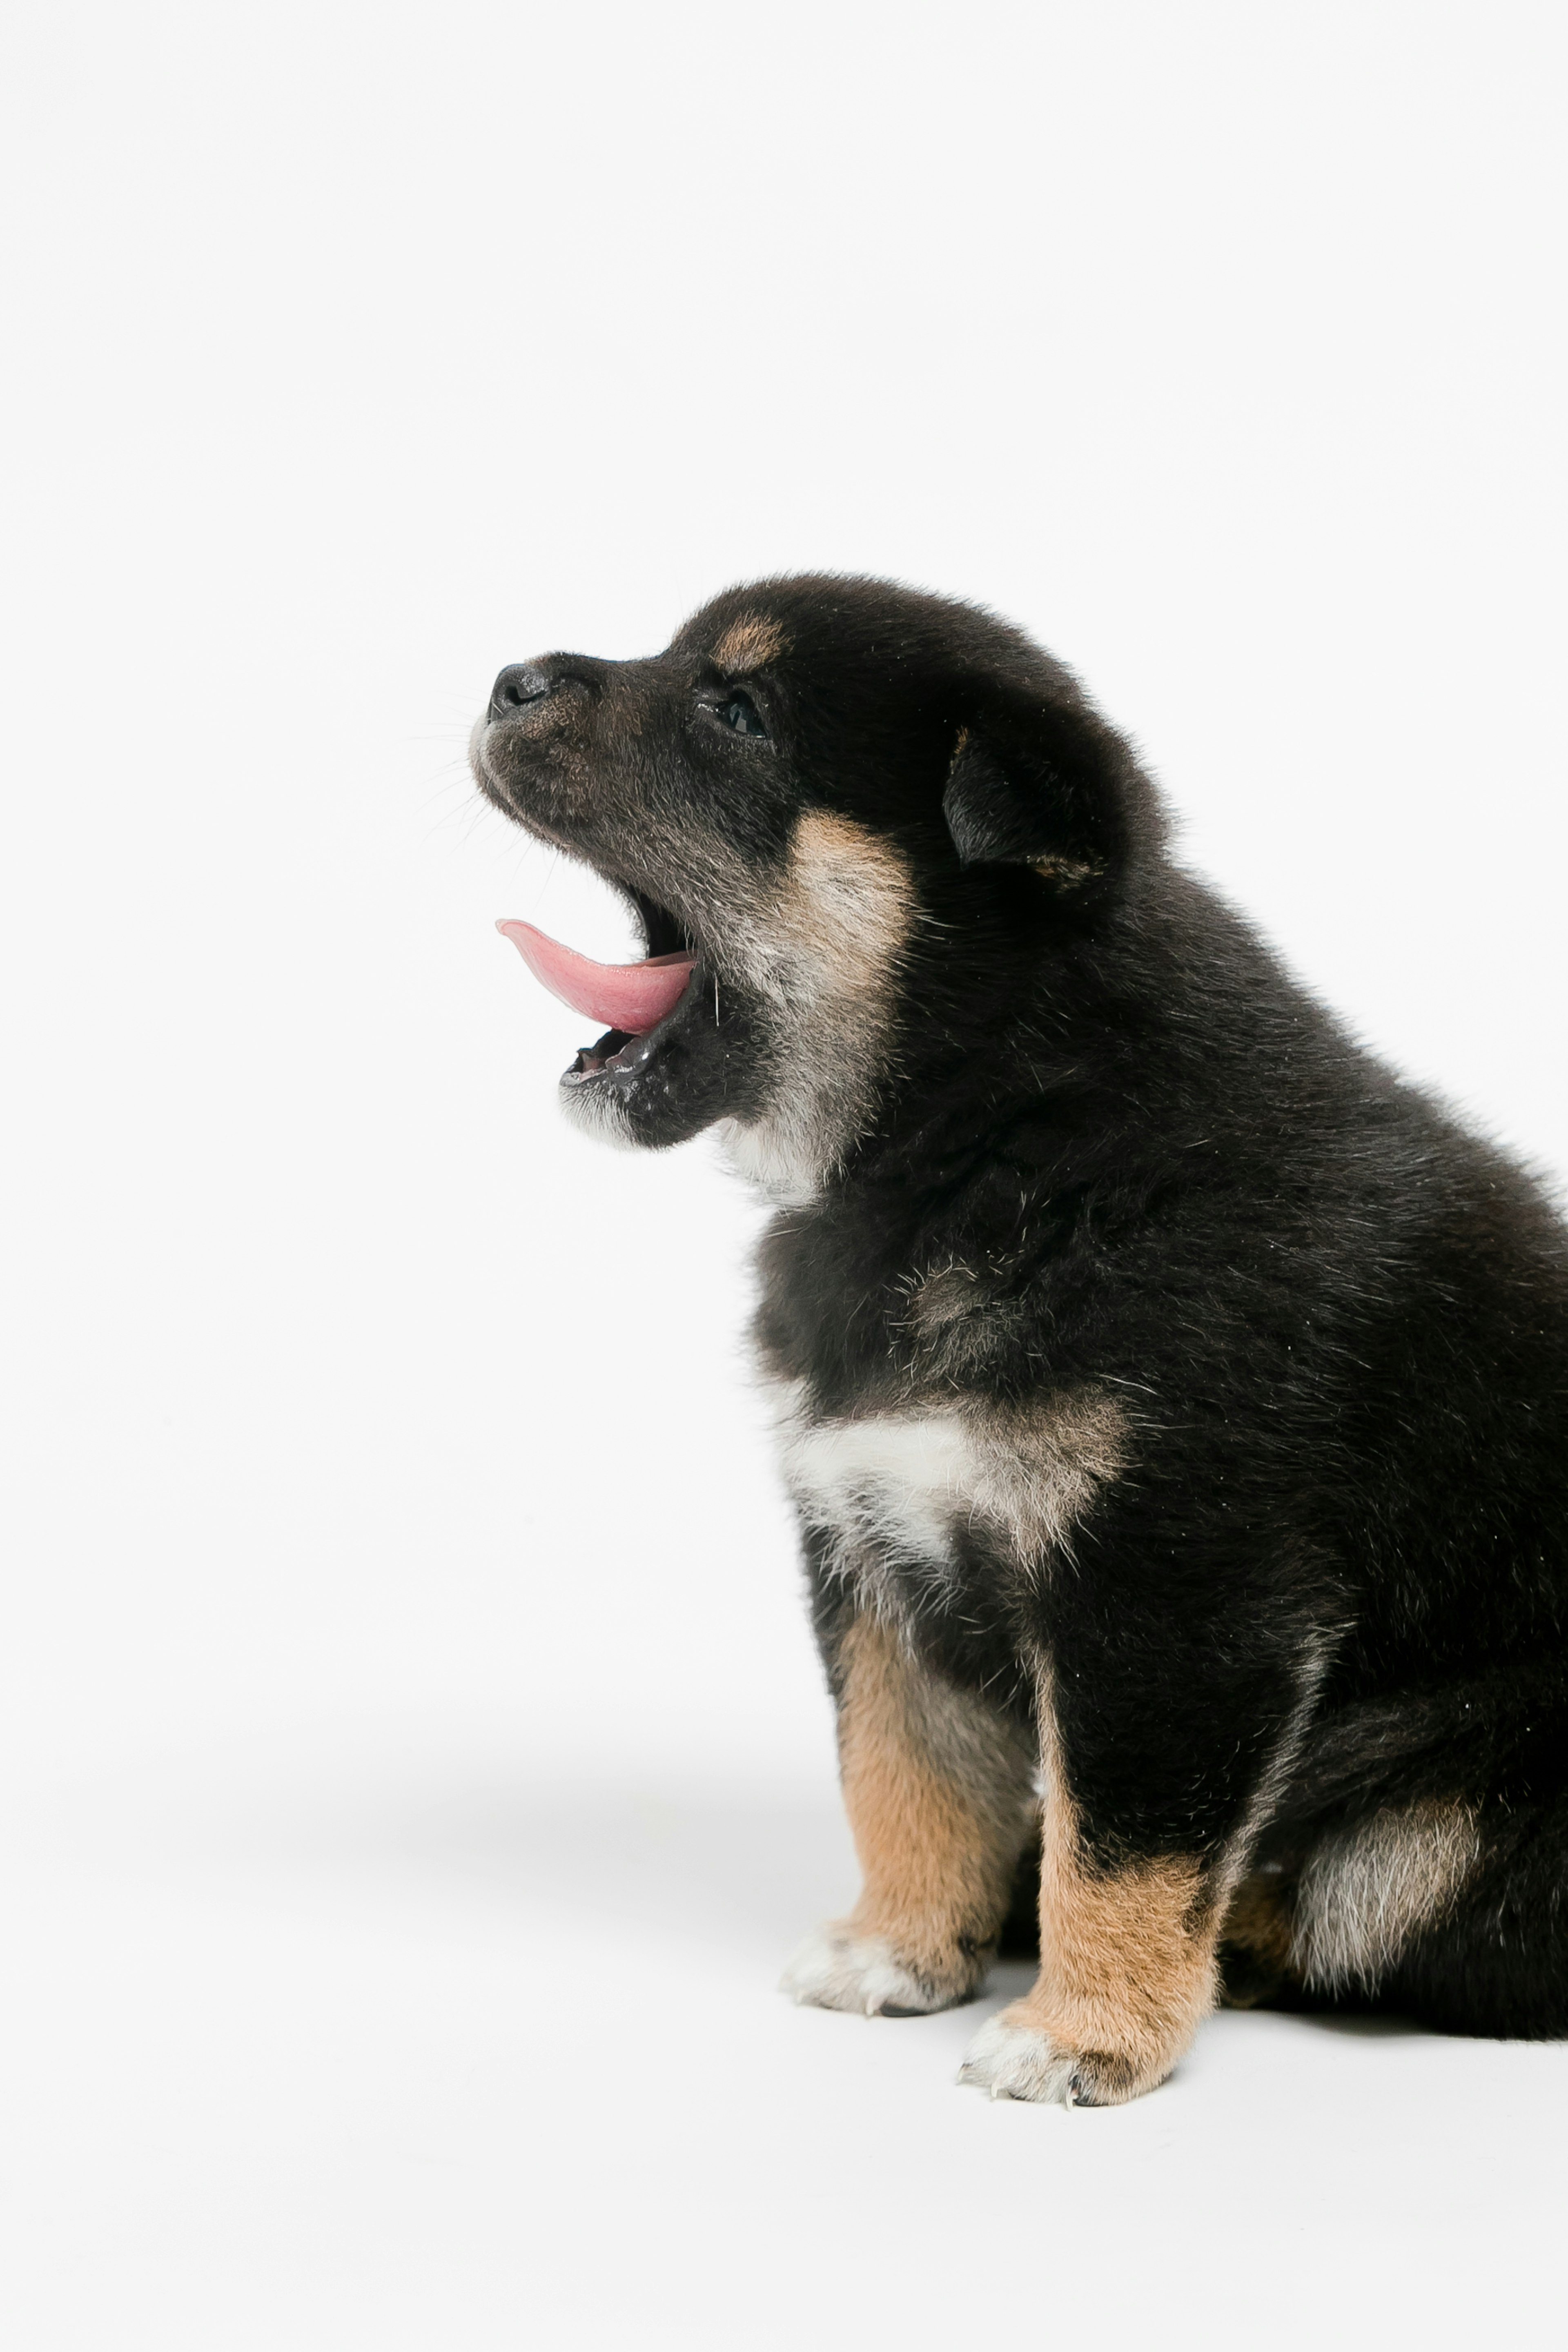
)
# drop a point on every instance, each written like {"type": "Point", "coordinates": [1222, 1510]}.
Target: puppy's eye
{"type": "Point", "coordinates": [740, 713]}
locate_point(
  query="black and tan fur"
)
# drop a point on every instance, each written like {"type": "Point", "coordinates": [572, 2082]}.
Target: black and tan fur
{"type": "Point", "coordinates": [1176, 1403]}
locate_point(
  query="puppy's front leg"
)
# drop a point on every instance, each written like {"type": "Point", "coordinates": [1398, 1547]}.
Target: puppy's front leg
{"type": "Point", "coordinates": [1129, 1940]}
{"type": "Point", "coordinates": [939, 1792]}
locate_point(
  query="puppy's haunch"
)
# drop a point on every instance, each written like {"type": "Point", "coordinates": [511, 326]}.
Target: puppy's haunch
{"type": "Point", "coordinates": [1175, 1405]}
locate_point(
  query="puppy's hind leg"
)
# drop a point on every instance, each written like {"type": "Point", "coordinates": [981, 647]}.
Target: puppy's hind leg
{"type": "Point", "coordinates": [939, 1792]}
{"type": "Point", "coordinates": [1465, 1927]}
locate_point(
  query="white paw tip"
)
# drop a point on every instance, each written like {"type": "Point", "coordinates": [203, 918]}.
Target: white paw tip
{"type": "Point", "coordinates": [1016, 2062]}
{"type": "Point", "coordinates": [836, 1970]}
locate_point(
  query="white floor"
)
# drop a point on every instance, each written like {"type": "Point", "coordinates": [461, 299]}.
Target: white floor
{"type": "Point", "coordinates": [395, 2035]}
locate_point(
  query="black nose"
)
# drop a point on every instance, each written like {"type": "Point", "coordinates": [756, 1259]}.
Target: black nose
{"type": "Point", "coordinates": [521, 682]}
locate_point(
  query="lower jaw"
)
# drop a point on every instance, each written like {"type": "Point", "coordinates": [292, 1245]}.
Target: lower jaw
{"type": "Point", "coordinates": [617, 1053]}
{"type": "Point", "coordinates": [664, 1087]}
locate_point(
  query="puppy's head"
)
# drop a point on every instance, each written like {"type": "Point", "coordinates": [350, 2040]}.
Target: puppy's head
{"type": "Point", "coordinates": [862, 809]}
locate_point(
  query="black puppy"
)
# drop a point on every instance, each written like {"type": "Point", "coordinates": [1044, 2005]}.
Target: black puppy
{"type": "Point", "coordinates": [1176, 1403]}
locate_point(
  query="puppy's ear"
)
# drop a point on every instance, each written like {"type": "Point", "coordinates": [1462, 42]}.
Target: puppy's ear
{"type": "Point", "coordinates": [1050, 786]}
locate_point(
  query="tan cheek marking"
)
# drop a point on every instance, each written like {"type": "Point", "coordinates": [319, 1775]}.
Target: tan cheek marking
{"type": "Point", "coordinates": [749, 643]}
{"type": "Point", "coordinates": [939, 1800]}
{"type": "Point", "coordinates": [824, 944]}
{"type": "Point", "coordinates": [848, 904]}
{"type": "Point", "coordinates": [1127, 1956]}
{"type": "Point", "coordinates": [834, 924]}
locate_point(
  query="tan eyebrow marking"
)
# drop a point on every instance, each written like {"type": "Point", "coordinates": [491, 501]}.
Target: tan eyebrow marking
{"type": "Point", "coordinates": [748, 643]}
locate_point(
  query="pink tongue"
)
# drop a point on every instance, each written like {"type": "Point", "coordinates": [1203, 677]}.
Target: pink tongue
{"type": "Point", "coordinates": [630, 997]}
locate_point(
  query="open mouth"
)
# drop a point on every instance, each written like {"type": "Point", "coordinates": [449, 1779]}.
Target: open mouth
{"type": "Point", "coordinates": [677, 1051]}
{"type": "Point", "coordinates": [635, 999]}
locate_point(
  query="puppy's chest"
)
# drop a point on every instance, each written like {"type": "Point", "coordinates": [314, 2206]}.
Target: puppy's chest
{"type": "Point", "coordinates": [922, 1497]}
{"type": "Point", "coordinates": [911, 1471]}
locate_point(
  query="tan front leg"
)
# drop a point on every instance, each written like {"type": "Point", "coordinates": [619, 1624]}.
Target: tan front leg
{"type": "Point", "coordinates": [1127, 1970]}
{"type": "Point", "coordinates": [940, 1793]}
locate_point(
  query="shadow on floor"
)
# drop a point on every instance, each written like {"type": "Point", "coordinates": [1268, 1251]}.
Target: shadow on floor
{"type": "Point", "coordinates": [750, 1865]}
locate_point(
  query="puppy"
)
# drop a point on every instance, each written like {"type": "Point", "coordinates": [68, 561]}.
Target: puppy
{"type": "Point", "coordinates": [1176, 1403]}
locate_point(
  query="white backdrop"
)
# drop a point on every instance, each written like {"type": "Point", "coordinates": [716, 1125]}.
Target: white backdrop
{"type": "Point", "coordinates": [415, 1765]}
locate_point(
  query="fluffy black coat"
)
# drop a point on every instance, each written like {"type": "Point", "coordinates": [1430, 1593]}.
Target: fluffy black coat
{"type": "Point", "coordinates": [1146, 1164]}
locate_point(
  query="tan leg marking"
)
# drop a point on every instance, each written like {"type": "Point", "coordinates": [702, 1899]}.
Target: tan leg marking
{"type": "Point", "coordinates": [1258, 1924]}
{"type": "Point", "coordinates": [940, 1795]}
{"type": "Point", "coordinates": [1127, 1969]}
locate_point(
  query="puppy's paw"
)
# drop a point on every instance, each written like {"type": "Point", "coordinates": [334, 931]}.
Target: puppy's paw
{"type": "Point", "coordinates": [837, 1969]}
{"type": "Point", "coordinates": [1017, 2062]}
{"type": "Point", "coordinates": [1014, 2059]}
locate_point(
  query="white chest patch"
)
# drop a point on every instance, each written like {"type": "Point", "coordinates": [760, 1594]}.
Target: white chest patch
{"type": "Point", "coordinates": [895, 1490]}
